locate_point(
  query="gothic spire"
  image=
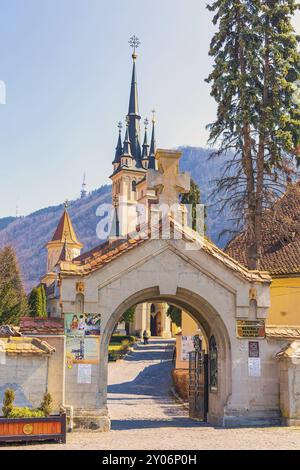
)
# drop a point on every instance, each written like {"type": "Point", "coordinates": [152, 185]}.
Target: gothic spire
{"type": "Point", "coordinates": [145, 154]}
{"type": "Point", "coordinates": [127, 143]}
{"type": "Point", "coordinates": [133, 110]}
{"type": "Point", "coordinates": [119, 147]}
{"type": "Point", "coordinates": [153, 145]}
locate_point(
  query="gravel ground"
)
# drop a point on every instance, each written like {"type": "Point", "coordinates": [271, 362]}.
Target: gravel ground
{"type": "Point", "coordinates": [145, 416]}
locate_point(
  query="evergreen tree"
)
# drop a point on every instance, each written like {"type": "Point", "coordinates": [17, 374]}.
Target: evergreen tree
{"type": "Point", "coordinates": [175, 314]}
{"type": "Point", "coordinates": [257, 66]}
{"type": "Point", "coordinates": [13, 303]}
{"type": "Point", "coordinates": [192, 198]}
{"type": "Point", "coordinates": [37, 302]}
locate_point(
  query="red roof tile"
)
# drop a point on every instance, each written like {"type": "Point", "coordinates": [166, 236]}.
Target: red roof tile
{"type": "Point", "coordinates": [41, 326]}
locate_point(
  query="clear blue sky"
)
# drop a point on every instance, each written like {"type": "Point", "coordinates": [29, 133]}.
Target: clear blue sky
{"type": "Point", "coordinates": [67, 68]}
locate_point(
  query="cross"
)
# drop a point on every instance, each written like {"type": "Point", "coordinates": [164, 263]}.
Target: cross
{"type": "Point", "coordinates": [167, 180]}
{"type": "Point", "coordinates": [134, 42]}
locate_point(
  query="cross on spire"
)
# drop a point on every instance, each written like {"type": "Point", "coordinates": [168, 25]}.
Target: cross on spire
{"type": "Point", "coordinates": [134, 43]}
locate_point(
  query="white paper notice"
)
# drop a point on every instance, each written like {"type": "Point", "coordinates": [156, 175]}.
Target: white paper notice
{"type": "Point", "coordinates": [187, 345]}
{"type": "Point", "coordinates": [254, 367]}
{"type": "Point", "coordinates": [84, 375]}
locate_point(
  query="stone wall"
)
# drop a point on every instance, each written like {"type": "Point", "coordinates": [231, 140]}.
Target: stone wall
{"type": "Point", "coordinates": [27, 375]}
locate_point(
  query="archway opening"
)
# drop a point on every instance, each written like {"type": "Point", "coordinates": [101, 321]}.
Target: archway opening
{"type": "Point", "coordinates": [153, 370]}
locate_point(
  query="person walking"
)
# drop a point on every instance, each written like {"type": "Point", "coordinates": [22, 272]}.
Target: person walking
{"type": "Point", "coordinates": [145, 337]}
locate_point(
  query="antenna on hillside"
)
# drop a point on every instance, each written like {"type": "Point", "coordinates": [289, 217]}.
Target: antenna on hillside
{"type": "Point", "coordinates": [83, 192]}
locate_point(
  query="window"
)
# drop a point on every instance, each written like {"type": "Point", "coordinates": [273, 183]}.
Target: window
{"type": "Point", "coordinates": [134, 186]}
{"type": "Point", "coordinates": [213, 364]}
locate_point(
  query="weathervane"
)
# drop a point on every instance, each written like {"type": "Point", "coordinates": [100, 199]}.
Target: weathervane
{"type": "Point", "coordinates": [146, 122]}
{"type": "Point", "coordinates": [120, 126]}
{"type": "Point", "coordinates": [134, 43]}
{"type": "Point", "coordinates": [66, 204]}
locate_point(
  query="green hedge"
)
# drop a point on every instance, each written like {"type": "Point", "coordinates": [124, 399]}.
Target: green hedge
{"type": "Point", "coordinates": [26, 412]}
{"type": "Point", "coordinates": [118, 339]}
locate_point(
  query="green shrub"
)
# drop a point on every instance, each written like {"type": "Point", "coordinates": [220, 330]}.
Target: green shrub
{"type": "Point", "coordinates": [25, 412]}
{"type": "Point", "coordinates": [125, 344]}
{"type": "Point", "coordinates": [118, 339]}
{"type": "Point", "coordinates": [46, 405]}
{"type": "Point", "coordinates": [8, 402]}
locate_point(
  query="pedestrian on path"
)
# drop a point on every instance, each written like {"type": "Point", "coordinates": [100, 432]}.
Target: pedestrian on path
{"type": "Point", "coordinates": [145, 337]}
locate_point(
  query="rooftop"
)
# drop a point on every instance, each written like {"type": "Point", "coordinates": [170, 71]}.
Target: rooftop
{"type": "Point", "coordinates": [27, 346]}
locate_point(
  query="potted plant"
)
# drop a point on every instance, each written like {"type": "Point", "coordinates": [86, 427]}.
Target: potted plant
{"type": "Point", "coordinates": [28, 424]}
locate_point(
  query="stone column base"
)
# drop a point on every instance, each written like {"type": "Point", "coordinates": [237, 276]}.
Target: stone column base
{"type": "Point", "coordinates": [291, 421]}
{"type": "Point", "coordinates": [93, 420]}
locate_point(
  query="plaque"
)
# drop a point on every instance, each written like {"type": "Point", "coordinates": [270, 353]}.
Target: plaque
{"type": "Point", "coordinates": [251, 329]}
{"type": "Point", "coordinates": [253, 349]}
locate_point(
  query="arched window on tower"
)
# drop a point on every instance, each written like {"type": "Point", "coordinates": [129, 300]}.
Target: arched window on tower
{"type": "Point", "coordinates": [213, 365]}
{"type": "Point", "coordinates": [134, 186]}
{"type": "Point", "coordinates": [152, 308]}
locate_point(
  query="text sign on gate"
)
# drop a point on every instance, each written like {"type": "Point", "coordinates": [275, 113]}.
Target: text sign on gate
{"type": "Point", "coordinates": [251, 329]}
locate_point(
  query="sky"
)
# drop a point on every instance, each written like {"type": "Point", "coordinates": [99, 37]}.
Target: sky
{"type": "Point", "coordinates": [66, 65]}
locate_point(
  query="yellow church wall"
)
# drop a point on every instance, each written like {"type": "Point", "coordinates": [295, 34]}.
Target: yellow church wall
{"type": "Point", "coordinates": [285, 302]}
{"type": "Point", "coordinates": [189, 327]}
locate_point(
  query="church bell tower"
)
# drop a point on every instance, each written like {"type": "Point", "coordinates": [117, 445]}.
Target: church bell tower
{"type": "Point", "coordinates": [132, 159]}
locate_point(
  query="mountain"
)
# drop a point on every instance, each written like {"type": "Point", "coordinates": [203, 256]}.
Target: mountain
{"type": "Point", "coordinates": [29, 235]}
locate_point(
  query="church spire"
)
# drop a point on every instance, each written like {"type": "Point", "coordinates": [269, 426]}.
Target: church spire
{"type": "Point", "coordinates": [127, 143]}
{"type": "Point", "coordinates": [145, 154]}
{"type": "Point", "coordinates": [133, 111]}
{"type": "Point", "coordinates": [119, 147]}
{"type": "Point", "coordinates": [153, 145]}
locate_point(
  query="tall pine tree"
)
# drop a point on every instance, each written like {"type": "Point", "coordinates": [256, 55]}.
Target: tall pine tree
{"type": "Point", "coordinates": [256, 69]}
{"type": "Point", "coordinates": [13, 303]}
{"type": "Point", "coordinates": [37, 302]}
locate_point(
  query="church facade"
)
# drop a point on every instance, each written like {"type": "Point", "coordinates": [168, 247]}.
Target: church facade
{"type": "Point", "coordinates": [139, 266]}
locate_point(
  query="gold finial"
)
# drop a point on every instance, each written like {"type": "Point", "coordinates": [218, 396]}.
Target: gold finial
{"type": "Point", "coordinates": [66, 204]}
{"type": "Point", "coordinates": [134, 43]}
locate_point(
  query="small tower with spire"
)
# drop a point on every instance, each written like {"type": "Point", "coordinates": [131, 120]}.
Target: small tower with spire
{"type": "Point", "coordinates": [83, 191]}
{"type": "Point", "coordinates": [132, 159]}
{"type": "Point", "coordinates": [64, 245]}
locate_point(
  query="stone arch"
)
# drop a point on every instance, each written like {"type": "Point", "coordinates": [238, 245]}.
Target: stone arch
{"type": "Point", "coordinates": [204, 314]}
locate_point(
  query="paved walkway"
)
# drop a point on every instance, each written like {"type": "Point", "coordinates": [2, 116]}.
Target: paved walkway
{"type": "Point", "coordinates": [145, 416]}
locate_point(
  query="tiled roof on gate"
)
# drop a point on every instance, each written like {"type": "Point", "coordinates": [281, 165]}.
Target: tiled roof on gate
{"type": "Point", "coordinates": [27, 346]}
{"type": "Point", "coordinates": [281, 236]}
{"type": "Point", "coordinates": [7, 331]}
{"type": "Point", "coordinates": [110, 250]}
{"type": "Point", "coordinates": [41, 326]}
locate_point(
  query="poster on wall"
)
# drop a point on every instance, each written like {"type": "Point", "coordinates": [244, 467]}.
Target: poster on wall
{"type": "Point", "coordinates": [83, 324]}
{"type": "Point", "coordinates": [82, 338]}
{"type": "Point", "coordinates": [254, 367]}
{"type": "Point", "coordinates": [84, 374]}
{"type": "Point", "coordinates": [187, 346]}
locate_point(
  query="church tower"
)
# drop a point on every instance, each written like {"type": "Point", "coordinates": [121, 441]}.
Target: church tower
{"type": "Point", "coordinates": [64, 245]}
{"type": "Point", "coordinates": [132, 159]}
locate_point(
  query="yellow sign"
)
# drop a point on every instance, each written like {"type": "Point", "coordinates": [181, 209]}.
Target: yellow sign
{"type": "Point", "coordinates": [251, 329]}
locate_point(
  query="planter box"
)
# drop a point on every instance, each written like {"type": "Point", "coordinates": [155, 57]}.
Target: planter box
{"type": "Point", "coordinates": [33, 429]}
